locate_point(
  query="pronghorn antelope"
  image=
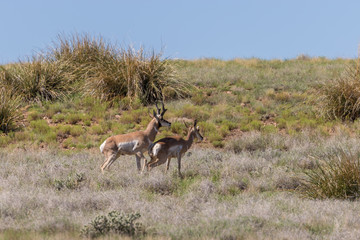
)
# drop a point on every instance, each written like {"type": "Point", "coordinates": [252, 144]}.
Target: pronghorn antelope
{"type": "Point", "coordinates": [135, 143]}
{"type": "Point", "coordinates": [171, 147]}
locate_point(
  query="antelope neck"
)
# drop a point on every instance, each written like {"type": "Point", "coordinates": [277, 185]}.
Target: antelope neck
{"type": "Point", "coordinates": [190, 139]}
{"type": "Point", "coordinates": [152, 129]}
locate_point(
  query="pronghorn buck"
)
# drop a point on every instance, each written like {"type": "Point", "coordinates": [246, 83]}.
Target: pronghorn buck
{"type": "Point", "coordinates": [135, 143]}
{"type": "Point", "coordinates": [171, 147]}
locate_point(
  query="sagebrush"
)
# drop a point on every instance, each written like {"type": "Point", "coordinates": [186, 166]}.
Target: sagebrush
{"type": "Point", "coordinates": [113, 223]}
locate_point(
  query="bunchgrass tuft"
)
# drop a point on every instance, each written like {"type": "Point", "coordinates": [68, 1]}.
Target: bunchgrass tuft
{"type": "Point", "coordinates": [9, 110]}
{"type": "Point", "coordinates": [340, 98]}
{"type": "Point", "coordinates": [134, 75]}
{"type": "Point", "coordinates": [336, 175]}
{"type": "Point", "coordinates": [111, 73]}
{"type": "Point", "coordinates": [36, 80]}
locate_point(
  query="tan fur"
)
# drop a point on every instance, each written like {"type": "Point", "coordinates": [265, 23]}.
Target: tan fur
{"type": "Point", "coordinates": [172, 147]}
{"type": "Point", "coordinates": [135, 143]}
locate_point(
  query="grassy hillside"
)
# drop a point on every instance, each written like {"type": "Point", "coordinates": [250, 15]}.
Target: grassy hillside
{"type": "Point", "coordinates": [230, 98]}
{"type": "Point", "coordinates": [246, 180]}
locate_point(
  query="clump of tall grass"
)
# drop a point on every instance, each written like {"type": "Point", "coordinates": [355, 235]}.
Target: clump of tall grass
{"type": "Point", "coordinates": [336, 175]}
{"type": "Point", "coordinates": [340, 98]}
{"type": "Point", "coordinates": [135, 75]}
{"type": "Point", "coordinates": [36, 80]}
{"type": "Point", "coordinates": [111, 73]}
{"type": "Point", "coordinates": [9, 110]}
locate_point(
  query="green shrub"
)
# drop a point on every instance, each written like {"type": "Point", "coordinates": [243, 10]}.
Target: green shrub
{"type": "Point", "coordinates": [269, 129]}
{"type": "Point", "coordinates": [229, 124]}
{"type": "Point", "coordinates": [218, 143]}
{"type": "Point", "coordinates": [34, 115]}
{"type": "Point", "coordinates": [106, 125]}
{"type": "Point", "coordinates": [98, 110]}
{"type": "Point", "coordinates": [282, 97]}
{"type": "Point", "coordinates": [53, 109]}
{"type": "Point", "coordinates": [40, 126]}
{"type": "Point", "coordinates": [59, 117]}
{"type": "Point", "coordinates": [63, 130]}
{"type": "Point", "coordinates": [9, 110]}
{"type": "Point", "coordinates": [71, 182]}
{"type": "Point", "coordinates": [134, 116]}
{"type": "Point", "coordinates": [114, 223]}
{"type": "Point", "coordinates": [194, 112]}
{"type": "Point", "coordinates": [73, 118]}
{"type": "Point", "coordinates": [340, 98]}
{"type": "Point", "coordinates": [76, 130]}
{"type": "Point", "coordinates": [22, 136]}
{"type": "Point", "coordinates": [256, 124]}
{"type": "Point", "coordinates": [69, 143]}
{"type": "Point", "coordinates": [48, 137]}
{"type": "Point", "coordinates": [97, 129]}
{"type": "Point", "coordinates": [337, 175]}
{"type": "Point", "coordinates": [178, 128]}
{"type": "Point", "coordinates": [4, 141]}
{"type": "Point", "coordinates": [87, 122]}
{"type": "Point", "coordinates": [214, 136]}
{"type": "Point", "coordinates": [119, 128]}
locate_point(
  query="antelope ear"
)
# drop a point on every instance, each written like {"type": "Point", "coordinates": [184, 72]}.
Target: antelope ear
{"type": "Point", "coordinates": [149, 113]}
{"type": "Point", "coordinates": [197, 128]}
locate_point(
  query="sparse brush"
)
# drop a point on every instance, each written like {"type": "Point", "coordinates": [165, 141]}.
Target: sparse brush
{"type": "Point", "coordinates": [340, 98]}
{"type": "Point", "coordinates": [9, 110]}
{"type": "Point", "coordinates": [337, 175]}
{"type": "Point", "coordinates": [114, 222]}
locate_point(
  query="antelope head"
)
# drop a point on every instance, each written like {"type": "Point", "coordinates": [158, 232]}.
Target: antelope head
{"type": "Point", "coordinates": [159, 116]}
{"type": "Point", "coordinates": [195, 130]}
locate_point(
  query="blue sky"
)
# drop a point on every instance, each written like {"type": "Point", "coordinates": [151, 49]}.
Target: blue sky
{"type": "Point", "coordinates": [188, 29]}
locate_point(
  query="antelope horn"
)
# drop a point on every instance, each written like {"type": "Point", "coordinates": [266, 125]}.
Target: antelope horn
{"type": "Point", "coordinates": [195, 122]}
{"type": "Point", "coordinates": [185, 124]}
{"type": "Point", "coordinates": [157, 108]}
{"type": "Point", "coordinates": [163, 109]}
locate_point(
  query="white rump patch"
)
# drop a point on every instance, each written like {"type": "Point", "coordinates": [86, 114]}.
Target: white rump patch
{"type": "Point", "coordinates": [102, 146]}
{"type": "Point", "coordinates": [128, 146]}
{"type": "Point", "coordinates": [156, 149]}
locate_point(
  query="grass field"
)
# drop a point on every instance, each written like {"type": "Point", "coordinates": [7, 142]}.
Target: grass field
{"type": "Point", "coordinates": [244, 181]}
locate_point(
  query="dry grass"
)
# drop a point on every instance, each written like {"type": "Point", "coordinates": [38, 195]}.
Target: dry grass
{"type": "Point", "coordinates": [9, 110]}
{"type": "Point", "coordinates": [112, 73]}
{"type": "Point", "coordinates": [36, 80]}
{"type": "Point", "coordinates": [337, 175]}
{"type": "Point", "coordinates": [340, 98]}
{"type": "Point", "coordinates": [251, 194]}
